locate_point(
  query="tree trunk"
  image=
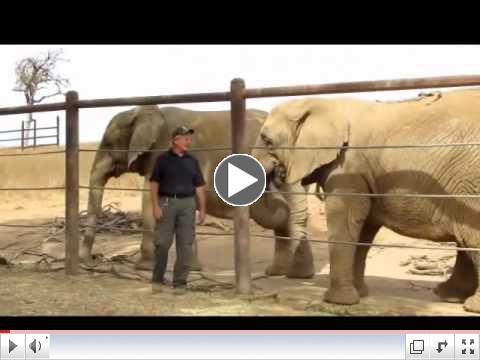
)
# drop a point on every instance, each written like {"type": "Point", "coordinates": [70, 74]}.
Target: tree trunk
{"type": "Point", "coordinates": [28, 125]}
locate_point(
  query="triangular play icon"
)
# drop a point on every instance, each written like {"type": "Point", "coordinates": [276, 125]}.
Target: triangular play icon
{"type": "Point", "coordinates": [11, 346]}
{"type": "Point", "coordinates": [238, 180]}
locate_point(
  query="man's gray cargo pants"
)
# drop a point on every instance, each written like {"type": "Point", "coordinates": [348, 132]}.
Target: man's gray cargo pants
{"type": "Point", "coordinates": [178, 219]}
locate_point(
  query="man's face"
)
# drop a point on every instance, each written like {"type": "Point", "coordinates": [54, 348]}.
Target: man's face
{"type": "Point", "coordinates": [183, 142]}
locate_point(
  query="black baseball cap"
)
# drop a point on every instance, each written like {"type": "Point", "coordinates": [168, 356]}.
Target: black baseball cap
{"type": "Point", "coordinates": [182, 130]}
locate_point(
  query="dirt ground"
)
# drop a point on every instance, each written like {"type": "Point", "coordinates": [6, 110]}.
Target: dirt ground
{"type": "Point", "coordinates": [33, 282]}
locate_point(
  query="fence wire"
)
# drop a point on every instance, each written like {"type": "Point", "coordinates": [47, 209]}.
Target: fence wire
{"type": "Point", "coordinates": [212, 148]}
{"type": "Point", "coordinates": [365, 147]}
{"type": "Point", "coordinates": [339, 147]}
{"type": "Point", "coordinates": [203, 233]}
{"type": "Point", "coordinates": [320, 193]}
{"type": "Point", "coordinates": [359, 194]}
{"type": "Point", "coordinates": [32, 188]}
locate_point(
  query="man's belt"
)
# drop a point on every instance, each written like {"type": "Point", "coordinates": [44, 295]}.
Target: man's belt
{"type": "Point", "coordinates": [176, 196]}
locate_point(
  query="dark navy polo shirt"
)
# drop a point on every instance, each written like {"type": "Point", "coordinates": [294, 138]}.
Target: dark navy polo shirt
{"type": "Point", "coordinates": [177, 175]}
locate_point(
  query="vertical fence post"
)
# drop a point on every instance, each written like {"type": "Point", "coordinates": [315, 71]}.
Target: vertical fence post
{"type": "Point", "coordinates": [23, 132]}
{"type": "Point", "coordinates": [72, 234]}
{"type": "Point", "coordinates": [34, 133]}
{"type": "Point", "coordinates": [58, 130]}
{"type": "Point", "coordinates": [241, 213]}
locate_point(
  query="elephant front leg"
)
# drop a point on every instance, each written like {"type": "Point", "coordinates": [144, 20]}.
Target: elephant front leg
{"type": "Point", "coordinates": [147, 250]}
{"type": "Point", "coordinates": [342, 289]}
{"type": "Point", "coordinates": [345, 219]}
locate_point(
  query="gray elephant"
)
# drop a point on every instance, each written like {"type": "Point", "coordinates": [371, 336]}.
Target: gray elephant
{"type": "Point", "coordinates": [149, 127]}
{"type": "Point", "coordinates": [451, 117]}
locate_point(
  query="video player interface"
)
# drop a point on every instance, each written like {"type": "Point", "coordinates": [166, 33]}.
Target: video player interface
{"type": "Point", "coordinates": [212, 344]}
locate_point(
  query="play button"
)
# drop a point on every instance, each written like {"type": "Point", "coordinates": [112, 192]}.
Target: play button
{"type": "Point", "coordinates": [239, 180]}
{"type": "Point", "coordinates": [11, 346]}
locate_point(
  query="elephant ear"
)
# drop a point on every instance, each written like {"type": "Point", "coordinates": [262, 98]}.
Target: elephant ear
{"type": "Point", "coordinates": [146, 127]}
{"type": "Point", "coordinates": [314, 125]}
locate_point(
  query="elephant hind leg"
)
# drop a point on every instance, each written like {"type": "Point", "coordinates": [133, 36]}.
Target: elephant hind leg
{"type": "Point", "coordinates": [473, 302]}
{"type": "Point", "coordinates": [469, 237]}
{"type": "Point", "coordinates": [366, 237]}
{"type": "Point", "coordinates": [462, 283]}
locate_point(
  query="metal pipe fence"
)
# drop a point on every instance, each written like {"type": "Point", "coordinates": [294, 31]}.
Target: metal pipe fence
{"type": "Point", "coordinates": [23, 139]}
{"type": "Point", "coordinates": [237, 96]}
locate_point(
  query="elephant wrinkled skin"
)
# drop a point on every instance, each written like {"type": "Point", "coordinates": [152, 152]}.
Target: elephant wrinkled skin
{"type": "Point", "coordinates": [451, 117]}
{"type": "Point", "coordinates": [149, 127]}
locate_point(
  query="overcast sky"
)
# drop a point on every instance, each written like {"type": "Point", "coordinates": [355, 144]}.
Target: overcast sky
{"type": "Point", "coordinates": [103, 71]}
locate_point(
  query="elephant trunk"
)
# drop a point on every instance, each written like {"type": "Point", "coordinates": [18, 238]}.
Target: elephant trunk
{"type": "Point", "coordinates": [297, 222]}
{"type": "Point", "coordinates": [271, 211]}
{"type": "Point", "coordinates": [102, 170]}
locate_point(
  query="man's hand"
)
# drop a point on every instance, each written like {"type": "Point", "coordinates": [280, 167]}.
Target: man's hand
{"type": "Point", "coordinates": [157, 212]}
{"type": "Point", "coordinates": [201, 203]}
{"type": "Point", "coordinates": [201, 216]}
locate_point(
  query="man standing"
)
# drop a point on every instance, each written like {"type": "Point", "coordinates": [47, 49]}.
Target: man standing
{"type": "Point", "coordinates": [174, 184]}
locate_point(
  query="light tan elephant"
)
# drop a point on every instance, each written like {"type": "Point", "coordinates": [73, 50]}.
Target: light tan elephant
{"type": "Point", "coordinates": [149, 128]}
{"type": "Point", "coordinates": [451, 117]}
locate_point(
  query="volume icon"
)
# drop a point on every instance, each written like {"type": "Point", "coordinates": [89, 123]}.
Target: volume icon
{"type": "Point", "coordinates": [35, 346]}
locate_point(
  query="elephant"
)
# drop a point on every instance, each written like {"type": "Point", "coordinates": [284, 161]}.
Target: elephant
{"type": "Point", "coordinates": [148, 128]}
{"type": "Point", "coordinates": [339, 124]}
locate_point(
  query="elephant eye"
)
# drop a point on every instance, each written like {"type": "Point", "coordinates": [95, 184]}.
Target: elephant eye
{"type": "Point", "coordinates": [266, 140]}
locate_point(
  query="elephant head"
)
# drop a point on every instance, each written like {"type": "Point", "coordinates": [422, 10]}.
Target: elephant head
{"type": "Point", "coordinates": [138, 130]}
{"type": "Point", "coordinates": [301, 123]}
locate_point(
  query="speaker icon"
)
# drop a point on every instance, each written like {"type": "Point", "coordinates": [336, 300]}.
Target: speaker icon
{"type": "Point", "coordinates": [35, 346]}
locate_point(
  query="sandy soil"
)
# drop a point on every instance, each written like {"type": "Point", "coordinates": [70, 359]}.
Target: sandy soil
{"type": "Point", "coordinates": [33, 283]}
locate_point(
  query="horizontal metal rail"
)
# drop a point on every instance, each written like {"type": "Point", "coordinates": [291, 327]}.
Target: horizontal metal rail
{"type": "Point", "coordinates": [20, 130]}
{"type": "Point", "coordinates": [332, 88]}
{"type": "Point", "coordinates": [35, 153]}
{"type": "Point", "coordinates": [30, 138]}
{"type": "Point", "coordinates": [365, 86]}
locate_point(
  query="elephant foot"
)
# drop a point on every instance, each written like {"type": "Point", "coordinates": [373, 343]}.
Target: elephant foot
{"type": "Point", "coordinates": [302, 266]}
{"type": "Point", "coordinates": [276, 270]}
{"type": "Point", "coordinates": [85, 253]}
{"type": "Point", "coordinates": [362, 289]}
{"type": "Point", "coordinates": [345, 295]}
{"type": "Point", "coordinates": [453, 293]}
{"type": "Point", "coordinates": [301, 271]}
{"type": "Point", "coordinates": [472, 304]}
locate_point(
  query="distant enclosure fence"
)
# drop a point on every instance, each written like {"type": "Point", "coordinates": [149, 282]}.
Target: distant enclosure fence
{"type": "Point", "coordinates": [237, 97]}
{"type": "Point", "coordinates": [24, 135]}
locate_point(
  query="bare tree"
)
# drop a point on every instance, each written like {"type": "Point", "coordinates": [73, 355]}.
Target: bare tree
{"type": "Point", "coordinates": [37, 79]}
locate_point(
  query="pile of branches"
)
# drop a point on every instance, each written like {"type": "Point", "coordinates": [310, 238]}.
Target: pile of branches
{"type": "Point", "coordinates": [111, 219]}
{"type": "Point", "coordinates": [425, 265]}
